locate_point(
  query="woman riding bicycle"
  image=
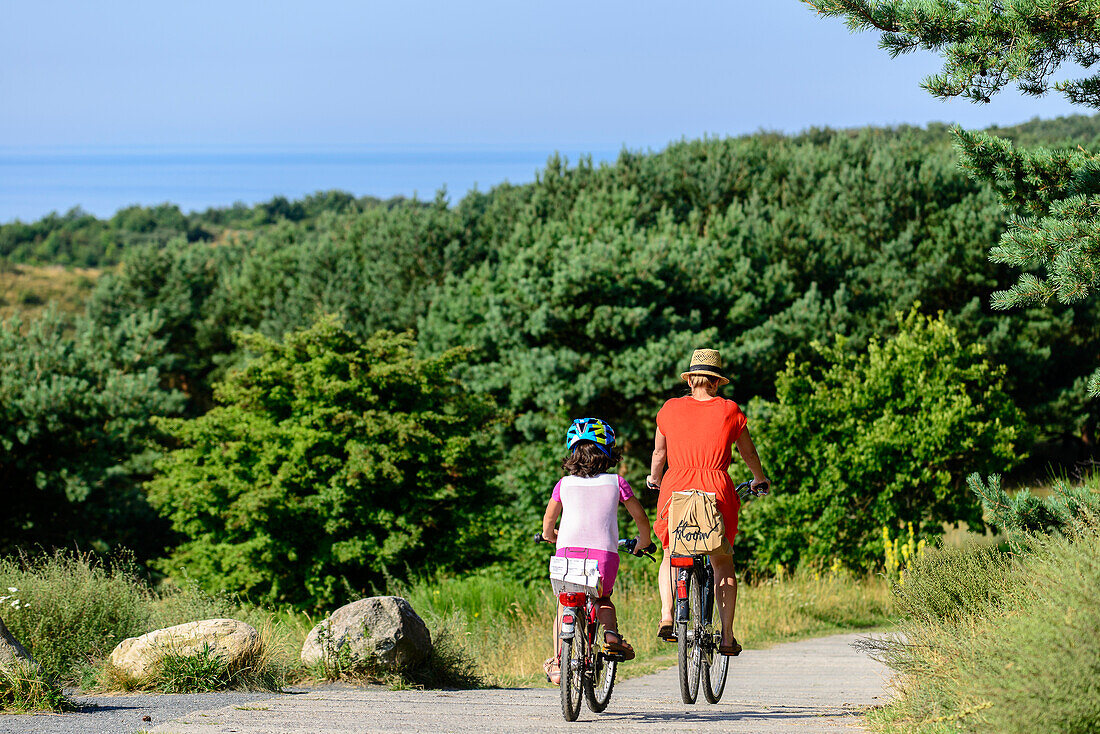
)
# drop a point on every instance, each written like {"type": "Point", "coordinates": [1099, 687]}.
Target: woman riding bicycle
{"type": "Point", "coordinates": [695, 434]}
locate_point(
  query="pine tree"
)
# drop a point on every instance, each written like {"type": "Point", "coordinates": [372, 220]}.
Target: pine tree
{"type": "Point", "coordinates": [1052, 196]}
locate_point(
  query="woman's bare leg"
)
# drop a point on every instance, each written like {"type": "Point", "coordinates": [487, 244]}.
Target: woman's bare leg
{"type": "Point", "coordinates": [664, 582]}
{"type": "Point", "coordinates": [725, 592]}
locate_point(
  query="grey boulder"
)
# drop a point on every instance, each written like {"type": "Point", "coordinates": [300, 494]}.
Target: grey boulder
{"type": "Point", "coordinates": [13, 654]}
{"type": "Point", "coordinates": [381, 632]}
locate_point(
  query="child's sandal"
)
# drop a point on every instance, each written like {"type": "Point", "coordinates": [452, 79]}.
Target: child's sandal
{"type": "Point", "coordinates": [552, 668]}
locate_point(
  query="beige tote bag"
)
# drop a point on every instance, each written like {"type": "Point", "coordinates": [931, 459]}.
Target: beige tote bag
{"type": "Point", "coordinates": [695, 526]}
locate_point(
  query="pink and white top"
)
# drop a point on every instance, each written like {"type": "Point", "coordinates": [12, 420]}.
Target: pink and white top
{"type": "Point", "coordinates": [589, 511]}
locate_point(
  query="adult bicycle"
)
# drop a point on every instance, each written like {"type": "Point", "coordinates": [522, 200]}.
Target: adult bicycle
{"type": "Point", "coordinates": [586, 665]}
{"type": "Point", "coordinates": [697, 636]}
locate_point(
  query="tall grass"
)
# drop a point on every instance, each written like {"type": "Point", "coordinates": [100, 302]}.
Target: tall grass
{"type": "Point", "coordinates": [1000, 643]}
{"type": "Point", "coordinates": [505, 626]}
{"type": "Point", "coordinates": [487, 630]}
{"type": "Point", "coordinates": [72, 610]}
{"type": "Point", "coordinates": [24, 689]}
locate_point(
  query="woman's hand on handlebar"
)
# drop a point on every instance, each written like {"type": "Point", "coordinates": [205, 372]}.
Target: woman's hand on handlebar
{"type": "Point", "coordinates": [761, 486]}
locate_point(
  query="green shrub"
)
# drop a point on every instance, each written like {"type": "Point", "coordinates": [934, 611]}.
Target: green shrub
{"type": "Point", "coordinates": [949, 584]}
{"type": "Point", "coordinates": [73, 610]}
{"type": "Point", "coordinates": [75, 437]}
{"type": "Point", "coordinates": [1024, 659]}
{"type": "Point", "coordinates": [330, 462]}
{"type": "Point", "coordinates": [882, 436]}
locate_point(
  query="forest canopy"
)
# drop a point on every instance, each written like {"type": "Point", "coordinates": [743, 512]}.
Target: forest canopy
{"type": "Point", "coordinates": [583, 292]}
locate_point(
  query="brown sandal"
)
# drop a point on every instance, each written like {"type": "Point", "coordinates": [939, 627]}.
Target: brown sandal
{"type": "Point", "coordinates": [732, 650]}
{"type": "Point", "coordinates": [665, 632]}
{"type": "Point", "coordinates": [619, 647]}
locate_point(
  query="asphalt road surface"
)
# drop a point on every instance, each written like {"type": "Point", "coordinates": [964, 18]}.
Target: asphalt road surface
{"type": "Point", "coordinates": [811, 686]}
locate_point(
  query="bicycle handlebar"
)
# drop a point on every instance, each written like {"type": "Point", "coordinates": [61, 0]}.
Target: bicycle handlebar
{"type": "Point", "coordinates": [629, 545]}
{"type": "Point", "coordinates": [747, 492]}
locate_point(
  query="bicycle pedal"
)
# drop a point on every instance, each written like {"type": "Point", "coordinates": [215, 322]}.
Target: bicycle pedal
{"type": "Point", "coordinates": [613, 657]}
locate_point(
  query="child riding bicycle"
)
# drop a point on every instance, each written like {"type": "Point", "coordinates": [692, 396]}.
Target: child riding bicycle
{"type": "Point", "coordinates": [587, 500]}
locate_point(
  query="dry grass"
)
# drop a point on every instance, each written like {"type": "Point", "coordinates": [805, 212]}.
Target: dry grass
{"type": "Point", "coordinates": [27, 289]}
{"type": "Point", "coordinates": [505, 627]}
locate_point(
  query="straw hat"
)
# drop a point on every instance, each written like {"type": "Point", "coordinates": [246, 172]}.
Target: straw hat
{"type": "Point", "coordinates": [706, 362]}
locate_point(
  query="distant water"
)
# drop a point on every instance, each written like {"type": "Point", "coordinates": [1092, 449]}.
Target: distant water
{"type": "Point", "coordinates": [101, 180]}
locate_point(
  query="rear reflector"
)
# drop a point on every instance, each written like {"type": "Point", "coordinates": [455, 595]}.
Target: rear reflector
{"type": "Point", "coordinates": [567, 619]}
{"type": "Point", "coordinates": [682, 561]}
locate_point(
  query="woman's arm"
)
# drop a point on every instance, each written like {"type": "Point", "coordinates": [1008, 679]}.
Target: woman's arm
{"type": "Point", "coordinates": [747, 449]}
{"type": "Point", "coordinates": [550, 521]}
{"type": "Point", "coordinates": [645, 532]}
{"type": "Point", "coordinates": [657, 463]}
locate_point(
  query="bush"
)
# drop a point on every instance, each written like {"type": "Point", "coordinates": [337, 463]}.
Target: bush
{"type": "Point", "coordinates": [1021, 645]}
{"type": "Point", "coordinates": [877, 437]}
{"type": "Point", "coordinates": [330, 463]}
{"type": "Point", "coordinates": [955, 584]}
{"type": "Point", "coordinates": [72, 609]}
{"type": "Point", "coordinates": [75, 437]}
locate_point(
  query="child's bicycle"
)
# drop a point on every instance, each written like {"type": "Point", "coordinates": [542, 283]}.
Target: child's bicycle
{"type": "Point", "coordinates": [697, 639]}
{"type": "Point", "coordinates": [585, 664]}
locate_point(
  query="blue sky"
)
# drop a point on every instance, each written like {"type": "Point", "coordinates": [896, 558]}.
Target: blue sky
{"type": "Point", "coordinates": [568, 74]}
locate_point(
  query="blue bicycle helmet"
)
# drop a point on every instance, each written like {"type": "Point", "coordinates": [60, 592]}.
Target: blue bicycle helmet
{"type": "Point", "coordinates": [591, 429]}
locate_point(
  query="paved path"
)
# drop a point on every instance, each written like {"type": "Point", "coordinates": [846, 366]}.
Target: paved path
{"type": "Point", "coordinates": [811, 686]}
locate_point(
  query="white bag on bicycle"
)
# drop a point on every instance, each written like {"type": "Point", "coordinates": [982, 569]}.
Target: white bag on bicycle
{"type": "Point", "coordinates": [575, 575]}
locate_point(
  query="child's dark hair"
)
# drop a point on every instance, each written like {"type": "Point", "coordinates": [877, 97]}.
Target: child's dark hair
{"type": "Point", "coordinates": [587, 460]}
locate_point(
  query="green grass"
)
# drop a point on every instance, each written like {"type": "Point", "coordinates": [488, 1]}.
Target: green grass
{"type": "Point", "coordinates": [998, 642]}
{"type": "Point", "coordinates": [24, 689]}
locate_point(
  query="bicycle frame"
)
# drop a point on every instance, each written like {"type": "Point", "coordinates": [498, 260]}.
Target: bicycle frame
{"type": "Point", "coordinates": [699, 567]}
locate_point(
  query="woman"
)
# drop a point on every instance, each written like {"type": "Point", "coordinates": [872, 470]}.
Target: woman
{"type": "Point", "coordinates": [695, 434]}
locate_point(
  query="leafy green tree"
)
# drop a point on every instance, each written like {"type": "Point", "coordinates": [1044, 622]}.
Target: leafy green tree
{"type": "Point", "coordinates": [881, 436]}
{"type": "Point", "coordinates": [75, 437]}
{"type": "Point", "coordinates": [1053, 197]}
{"type": "Point", "coordinates": [330, 463]}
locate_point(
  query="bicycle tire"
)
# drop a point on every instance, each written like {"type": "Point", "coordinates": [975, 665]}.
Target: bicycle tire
{"type": "Point", "coordinates": [715, 665]}
{"type": "Point", "coordinates": [572, 673]}
{"type": "Point", "coordinates": [688, 646]}
{"type": "Point", "coordinates": [716, 671]}
{"type": "Point", "coordinates": [603, 672]}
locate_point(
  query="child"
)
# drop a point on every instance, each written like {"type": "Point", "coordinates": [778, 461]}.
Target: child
{"type": "Point", "coordinates": [587, 500]}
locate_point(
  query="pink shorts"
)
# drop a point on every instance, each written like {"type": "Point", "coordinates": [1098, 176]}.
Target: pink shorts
{"type": "Point", "coordinates": [607, 562]}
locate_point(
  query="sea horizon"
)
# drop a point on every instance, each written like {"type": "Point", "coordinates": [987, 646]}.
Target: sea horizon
{"type": "Point", "coordinates": [101, 179]}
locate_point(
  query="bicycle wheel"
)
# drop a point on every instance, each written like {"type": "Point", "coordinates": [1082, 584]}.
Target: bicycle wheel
{"type": "Point", "coordinates": [715, 665]}
{"type": "Point", "coordinates": [598, 685]}
{"type": "Point", "coordinates": [688, 648]}
{"type": "Point", "coordinates": [572, 673]}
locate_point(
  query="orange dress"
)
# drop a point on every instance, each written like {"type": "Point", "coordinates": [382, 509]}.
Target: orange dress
{"type": "Point", "coordinates": [700, 436]}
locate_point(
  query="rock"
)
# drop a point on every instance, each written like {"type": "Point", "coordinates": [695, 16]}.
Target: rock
{"type": "Point", "coordinates": [11, 652]}
{"type": "Point", "coordinates": [382, 631]}
{"type": "Point", "coordinates": [227, 639]}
